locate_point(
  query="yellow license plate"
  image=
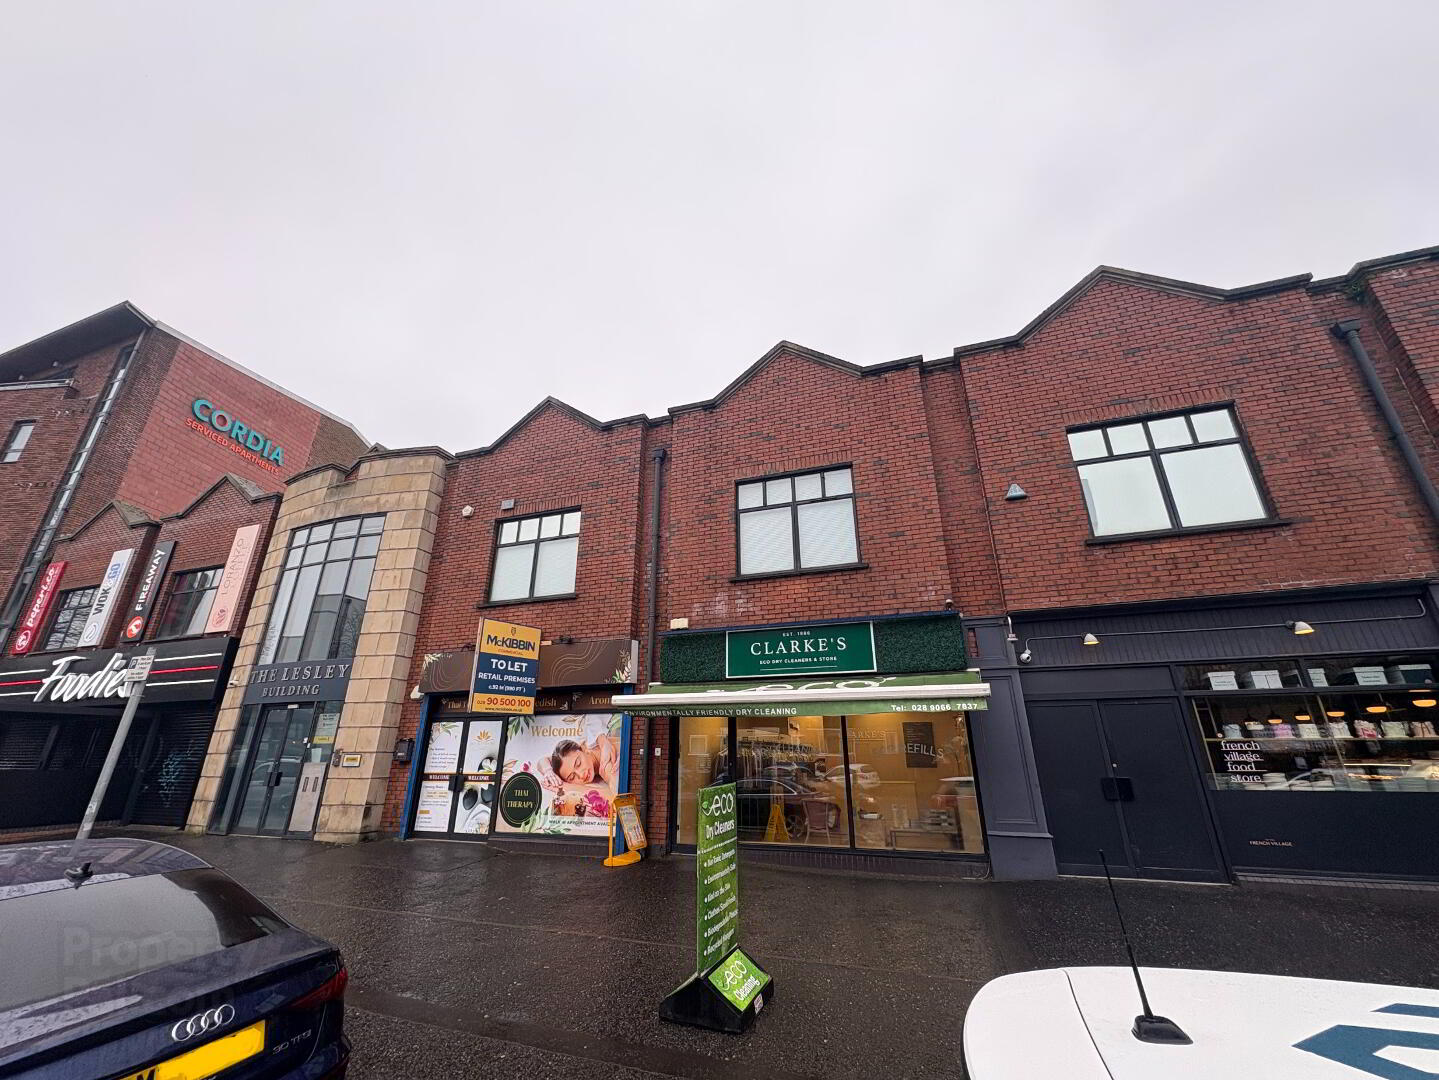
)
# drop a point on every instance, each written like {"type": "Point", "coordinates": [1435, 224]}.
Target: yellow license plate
{"type": "Point", "coordinates": [209, 1059]}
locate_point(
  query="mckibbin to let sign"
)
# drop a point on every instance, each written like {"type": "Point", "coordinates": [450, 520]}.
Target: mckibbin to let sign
{"type": "Point", "coordinates": [837, 649]}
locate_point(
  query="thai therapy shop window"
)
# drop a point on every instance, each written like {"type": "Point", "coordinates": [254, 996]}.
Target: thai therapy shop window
{"type": "Point", "coordinates": [901, 782]}
{"type": "Point", "coordinates": [1358, 725]}
{"type": "Point", "coordinates": [560, 772]}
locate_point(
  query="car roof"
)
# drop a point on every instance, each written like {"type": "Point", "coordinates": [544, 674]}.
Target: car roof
{"type": "Point", "coordinates": [26, 869]}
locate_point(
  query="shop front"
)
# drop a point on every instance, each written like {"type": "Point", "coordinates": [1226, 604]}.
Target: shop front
{"type": "Point", "coordinates": [551, 775]}
{"type": "Point", "coordinates": [1271, 736]}
{"type": "Point", "coordinates": [833, 758]}
{"type": "Point", "coordinates": [58, 716]}
{"type": "Point", "coordinates": [283, 749]}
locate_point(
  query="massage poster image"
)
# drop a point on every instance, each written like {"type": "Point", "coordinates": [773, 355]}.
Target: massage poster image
{"type": "Point", "coordinates": [560, 774]}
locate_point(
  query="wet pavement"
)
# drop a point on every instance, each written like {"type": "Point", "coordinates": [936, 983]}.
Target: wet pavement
{"type": "Point", "coordinates": [469, 962]}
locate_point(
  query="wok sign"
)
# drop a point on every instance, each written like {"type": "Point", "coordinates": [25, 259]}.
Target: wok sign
{"type": "Point", "coordinates": [507, 669]}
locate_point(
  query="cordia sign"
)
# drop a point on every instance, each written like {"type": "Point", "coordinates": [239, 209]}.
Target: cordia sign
{"type": "Point", "coordinates": [240, 431]}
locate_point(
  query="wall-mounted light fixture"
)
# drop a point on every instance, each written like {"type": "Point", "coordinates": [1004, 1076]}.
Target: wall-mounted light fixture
{"type": "Point", "coordinates": [1299, 626]}
{"type": "Point", "coordinates": [1015, 493]}
{"type": "Point", "coordinates": [1090, 639]}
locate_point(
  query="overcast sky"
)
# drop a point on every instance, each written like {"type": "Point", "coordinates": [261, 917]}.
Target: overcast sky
{"type": "Point", "coordinates": [428, 216]}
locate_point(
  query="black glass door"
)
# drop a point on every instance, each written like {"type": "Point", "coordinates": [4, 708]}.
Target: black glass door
{"type": "Point", "coordinates": [275, 768]}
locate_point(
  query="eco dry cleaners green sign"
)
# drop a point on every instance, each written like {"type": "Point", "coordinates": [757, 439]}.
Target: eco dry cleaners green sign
{"type": "Point", "coordinates": [218, 424]}
{"type": "Point", "coordinates": [839, 649]}
{"type": "Point", "coordinates": [728, 989]}
{"type": "Point", "coordinates": [717, 877]}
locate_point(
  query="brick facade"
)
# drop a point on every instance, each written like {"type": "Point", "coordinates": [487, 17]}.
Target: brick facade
{"type": "Point", "coordinates": [1124, 348]}
{"type": "Point", "coordinates": [146, 455]}
{"type": "Point", "coordinates": [934, 447]}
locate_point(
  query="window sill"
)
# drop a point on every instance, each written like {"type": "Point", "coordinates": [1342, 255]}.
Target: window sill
{"type": "Point", "coordinates": [1198, 530]}
{"type": "Point", "coordinates": [526, 600]}
{"type": "Point", "coordinates": [796, 573]}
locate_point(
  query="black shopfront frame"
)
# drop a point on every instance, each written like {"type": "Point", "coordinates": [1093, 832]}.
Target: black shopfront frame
{"type": "Point", "coordinates": [834, 855]}
{"type": "Point", "coordinates": [1278, 832]}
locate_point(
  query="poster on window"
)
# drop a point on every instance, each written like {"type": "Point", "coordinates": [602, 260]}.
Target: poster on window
{"type": "Point", "coordinates": [432, 810]}
{"type": "Point", "coordinates": [560, 774]}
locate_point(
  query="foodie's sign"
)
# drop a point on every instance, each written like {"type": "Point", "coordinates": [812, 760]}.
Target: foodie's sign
{"type": "Point", "coordinates": [836, 649]}
{"type": "Point", "coordinates": [188, 670]}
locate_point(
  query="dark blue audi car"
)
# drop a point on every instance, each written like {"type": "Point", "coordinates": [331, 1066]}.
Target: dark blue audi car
{"type": "Point", "coordinates": [132, 960]}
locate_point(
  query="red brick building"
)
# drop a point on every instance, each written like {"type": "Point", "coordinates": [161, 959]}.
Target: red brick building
{"type": "Point", "coordinates": [139, 475]}
{"type": "Point", "coordinates": [1230, 491]}
{"type": "Point", "coordinates": [108, 409]}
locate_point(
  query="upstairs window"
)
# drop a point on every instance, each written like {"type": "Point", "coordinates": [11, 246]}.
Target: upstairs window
{"type": "Point", "coordinates": [19, 439]}
{"type": "Point", "coordinates": [71, 611]}
{"type": "Point", "coordinates": [536, 557]}
{"type": "Point", "coordinates": [324, 587]}
{"type": "Point", "coordinates": [1166, 473]}
{"type": "Point", "coordinates": [191, 597]}
{"type": "Point", "coordinates": [803, 521]}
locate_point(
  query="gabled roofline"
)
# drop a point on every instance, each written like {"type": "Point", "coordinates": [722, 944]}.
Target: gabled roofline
{"type": "Point", "coordinates": [243, 370]}
{"type": "Point", "coordinates": [546, 403]}
{"type": "Point", "coordinates": [1367, 266]}
{"type": "Point", "coordinates": [131, 515]}
{"type": "Point", "coordinates": [350, 470]}
{"type": "Point", "coordinates": [252, 492]}
{"type": "Point", "coordinates": [1177, 287]}
{"type": "Point", "coordinates": [793, 349]}
{"type": "Point", "coordinates": [121, 322]}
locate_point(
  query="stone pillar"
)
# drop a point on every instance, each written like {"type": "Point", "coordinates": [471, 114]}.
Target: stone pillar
{"type": "Point", "coordinates": [406, 486]}
{"type": "Point", "coordinates": [1016, 833]}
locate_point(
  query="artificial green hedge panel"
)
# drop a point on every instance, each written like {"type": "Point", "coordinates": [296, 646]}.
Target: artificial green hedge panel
{"type": "Point", "coordinates": [901, 646]}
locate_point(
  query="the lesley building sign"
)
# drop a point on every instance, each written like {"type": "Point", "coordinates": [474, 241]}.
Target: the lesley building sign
{"type": "Point", "coordinates": [320, 681]}
{"type": "Point", "coordinates": [218, 425]}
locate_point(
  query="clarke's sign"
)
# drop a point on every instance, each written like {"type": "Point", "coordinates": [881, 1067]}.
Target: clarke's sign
{"type": "Point", "coordinates": [218, 424]}
{"type": "Point", "coordinates": [834, 649]}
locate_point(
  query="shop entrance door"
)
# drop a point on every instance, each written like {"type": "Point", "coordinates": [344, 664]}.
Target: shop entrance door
{"type": "Point", "coordinates": [1121, 776]}
{"type": "Point", "coordinates": [280, 753]}
{"type": "Point", "coordinates": [456, 793]}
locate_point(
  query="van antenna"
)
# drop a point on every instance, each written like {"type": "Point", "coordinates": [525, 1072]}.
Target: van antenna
{"type": "Point", "coordinates": [1147, 1027]}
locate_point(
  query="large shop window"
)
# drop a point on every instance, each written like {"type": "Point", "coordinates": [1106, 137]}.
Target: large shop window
{"type": "Point", "coordinates": [536, 557]}
{"type": "Point", "coordinates": [800, 522]}
{"type": "Point", "coordinates": [1166, 473]}
{"type": "Point", "coordinates": [320, 603]}
{"type": "Point", "coordinates": [906, 782]}
{"type": "Point", "coordinates": [188, 609]}
{"type": "Point", "coordinates": [1365, 725]}
{"type": "Point", "coordinates": [69, 621]}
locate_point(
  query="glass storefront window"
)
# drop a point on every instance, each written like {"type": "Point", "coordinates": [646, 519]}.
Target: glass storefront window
{"type": "Point", "coordinates": [789, 781]}
{"type": "Point", "coordinates": [1385, 741]}
{"type": "Point", "coordinates": [1352, 671]}
{"type": "Point", "coordinates": [910, 780]}
{"type": "Point", "coordinates": [703, 754]}
{"type": "Point", "coordinates": [1255, 675]}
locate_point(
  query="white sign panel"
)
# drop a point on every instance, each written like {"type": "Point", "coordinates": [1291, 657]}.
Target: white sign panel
{"type": "Point", "coordinates": [105, 596]}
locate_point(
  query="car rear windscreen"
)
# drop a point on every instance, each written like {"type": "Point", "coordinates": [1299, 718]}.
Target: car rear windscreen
{"type": "Point", "coordinates": [60, 942]}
